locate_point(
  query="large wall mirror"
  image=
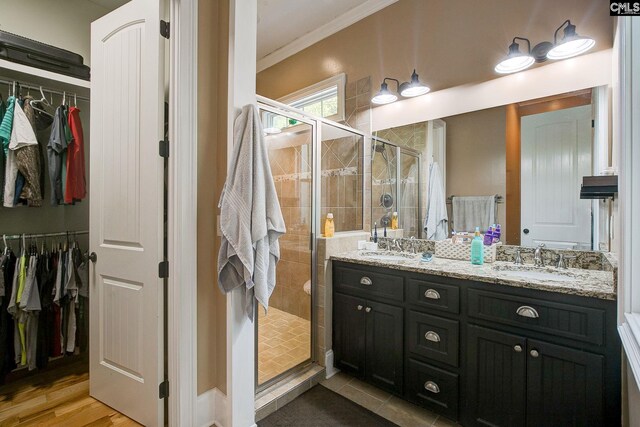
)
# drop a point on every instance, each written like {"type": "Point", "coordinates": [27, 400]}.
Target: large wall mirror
{"type": "Point", "coordinates": [523, 161]}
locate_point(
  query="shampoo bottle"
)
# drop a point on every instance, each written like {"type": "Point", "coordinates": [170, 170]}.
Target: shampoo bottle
{"type": "Point", "coordinates": [496, 233]}
{"type": "Point", "coordinates": [488, 236]}
{"type": "Point", "coordinates": [394, 221]}
{"type": "Point", "coordinates": [329, 227]}
{"type": "Point", "coordinates": [375, 232]}
{"type": "Point", "coordinates": [477, 249]}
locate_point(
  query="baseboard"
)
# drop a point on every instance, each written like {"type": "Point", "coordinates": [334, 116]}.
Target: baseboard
{"type": "Point", "coordinates": [212, 409]}
{"type": "Point", "coordinates": [328, 363]}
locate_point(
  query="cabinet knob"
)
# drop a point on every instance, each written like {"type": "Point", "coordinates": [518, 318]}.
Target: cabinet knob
{"type": "Point", "coordinates": [526, 311]}
{"type": "Point", "coordinates": [366, 281]}
{"type": "Point", "coordinates": [517, 348]}
{"type": "Point", "coordinates": [368, 309]}
{"type": "Point", "coordinates": [432, 294]}
{"type": "Point", "coordinates": [534, 353]}
{"type": "Point", "coordinates": [432, 387]}
{"type": "Point", "coordinates": [359, 307]}
{"type": "Point", "coordinates": [432, 336]}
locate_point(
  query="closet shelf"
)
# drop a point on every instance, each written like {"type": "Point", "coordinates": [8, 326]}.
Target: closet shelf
{"type": "Point", "coordinates": [25, 72]}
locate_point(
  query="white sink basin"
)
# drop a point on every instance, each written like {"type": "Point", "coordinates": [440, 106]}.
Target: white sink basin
{"type": "Point", "coordinates": [543, 274]}
{"type": "Point", "coordinates": [387, 256]}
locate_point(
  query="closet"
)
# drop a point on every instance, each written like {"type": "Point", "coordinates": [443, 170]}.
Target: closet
{"type": "Point", "coordinates": [44, 223]}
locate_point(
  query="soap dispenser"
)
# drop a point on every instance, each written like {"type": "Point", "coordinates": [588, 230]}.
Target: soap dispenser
{"type": "Point", "coordinates": [477, 249]}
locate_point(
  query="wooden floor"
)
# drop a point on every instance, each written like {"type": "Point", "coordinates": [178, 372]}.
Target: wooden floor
{"type": "Point", "coordinates": [58, 397]}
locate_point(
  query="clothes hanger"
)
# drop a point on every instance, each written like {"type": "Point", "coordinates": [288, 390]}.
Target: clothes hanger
{"type": "Point", "coordinates": [75, 100]}
{"type": "Point", "coordinates": [6, 246]}
{"type": "Point", "coordinates": [35, 104]}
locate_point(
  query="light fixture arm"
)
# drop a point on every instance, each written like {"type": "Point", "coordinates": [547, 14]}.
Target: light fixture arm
{"type": "Point", "coordinates": [392, 79]}
{"type": "Point", "coordinates": [555, 35]}
{"type": "Point", "coordinates": [523, 39]}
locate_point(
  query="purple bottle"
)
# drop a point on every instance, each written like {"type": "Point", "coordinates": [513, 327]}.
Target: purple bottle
{"type": "Point", "coordinates": [496, 234]}
{"type": "Point", "coordinates": [488, 236]}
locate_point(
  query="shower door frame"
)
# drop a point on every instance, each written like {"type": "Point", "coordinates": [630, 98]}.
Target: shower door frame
{"type": "Point", "coordinates": [265, 104]}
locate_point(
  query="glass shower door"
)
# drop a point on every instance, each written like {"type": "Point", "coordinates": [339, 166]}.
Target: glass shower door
{"type": "Point", "coordinates": [284, 333]}
{"type": "Point", "coordinates": [410, 217]}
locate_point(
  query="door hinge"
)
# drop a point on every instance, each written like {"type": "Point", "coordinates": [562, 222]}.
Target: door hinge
{"type": "Point", "coordinates": [163, 148]}
{"type": "Point", "coordinates": [163, 389]}
{"type": "Point", "coordinates": [163, 269]}
{"type": "Point", "coordinates": [593, 123]}
{"type": "Point", "coordinates": [165, 29]}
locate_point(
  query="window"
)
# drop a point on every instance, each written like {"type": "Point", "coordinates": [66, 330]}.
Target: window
{"type": "Point", "coordinates": [323, 99]}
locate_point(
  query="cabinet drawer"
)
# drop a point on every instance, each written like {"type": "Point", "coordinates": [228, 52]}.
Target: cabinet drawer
{"type": "Point", "coordinates": [564, 320]}
{"type": "Point", "coordinates": [367, 283]}
{"type": "Point", "coordinates": [433, 295]}
{"type": "Point", "coordinates": [433, 388]}
{"type": "Point", "coordinates": [433, 337]}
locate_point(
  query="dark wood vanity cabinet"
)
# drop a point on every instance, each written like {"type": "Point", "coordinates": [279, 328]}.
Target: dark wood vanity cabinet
{"type": "Point", "coordinates": [481, 354]}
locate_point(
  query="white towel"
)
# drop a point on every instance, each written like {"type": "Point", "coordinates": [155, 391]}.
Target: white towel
{"type": "Point", "coordinates": [474, 211]}
{"type": "Point", "coordinates": [250, 217]}
{"type": "Point", "coordinates": [435, 223]}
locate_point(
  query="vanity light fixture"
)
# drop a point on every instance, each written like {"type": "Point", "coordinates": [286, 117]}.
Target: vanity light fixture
{"type": "Point", "coordinates": [516, 60]}
{"type": "Point", "coordinates": [571, 45]}
{"type": "Point", "coordinates": [407, 90]}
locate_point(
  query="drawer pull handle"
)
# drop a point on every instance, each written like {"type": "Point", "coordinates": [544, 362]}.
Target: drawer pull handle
{"type": "Point", "coordinates": [359, 307]}
{"type": "Point", "coordinates": [368, 309]}
{"type": "Point", "coordinates": [432, 387]}
{"type": "Point", "coordinates": [517, 348]}
{"type": "Point", "coordinates": [432, 294]}
{"type": "Point", "coordinates": [526, 311]}
{"type": "Point", "coordinates": [432, 336]}
{"type": "Point", "coordinates": [366, 281]}
{"type": "Point", "coordinates": [534, 353]}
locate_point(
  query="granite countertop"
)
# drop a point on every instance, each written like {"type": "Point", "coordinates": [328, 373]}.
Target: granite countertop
{"type": "Point", "coordinates": [574, 281]}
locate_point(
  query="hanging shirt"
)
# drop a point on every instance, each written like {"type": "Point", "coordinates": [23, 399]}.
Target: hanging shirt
{"type": "Point", "coordinates": [28, 156]}
{"type": "Point", "coordinates": [55, 150]}
{"type": "Point", "coordinates": [75, 189]}
{"type": "Point", "coordinates": [7, 124]}
{"type": "Point", "coordinates": [11, 166]}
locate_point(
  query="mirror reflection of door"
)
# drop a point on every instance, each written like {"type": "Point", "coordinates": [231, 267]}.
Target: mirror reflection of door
{"type": "Point", "coordinates": [556, 154]}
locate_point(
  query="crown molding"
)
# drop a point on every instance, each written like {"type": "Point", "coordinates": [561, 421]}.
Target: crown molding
{"type": "Point", "coordinates": [339, 23]}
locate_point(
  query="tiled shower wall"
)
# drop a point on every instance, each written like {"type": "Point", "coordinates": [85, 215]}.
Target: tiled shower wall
{"type": "Point", "coordinates": [292, 175]}
{"type": "Point", "coordinates": [341, 183]}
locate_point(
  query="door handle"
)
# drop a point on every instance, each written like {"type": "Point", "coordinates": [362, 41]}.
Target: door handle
{"type": "Point", "coordinates": [517, 348]}
{"type": "Point", "coordinates": [93, 257]}
{"type": "Point", "coordinates": [525, 231]}
{"type": "Point", "coordinates": [359, 307]}
{"type": "Point", "coordinates": [368, 309]}
{"type": "Point", "coordinates": [534, 353]}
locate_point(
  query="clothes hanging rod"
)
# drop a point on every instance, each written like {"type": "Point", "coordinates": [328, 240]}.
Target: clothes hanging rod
{"type": "Point", "coordinates": [32, 86]}
{"type": "Point", "coordinates": [41, 235]}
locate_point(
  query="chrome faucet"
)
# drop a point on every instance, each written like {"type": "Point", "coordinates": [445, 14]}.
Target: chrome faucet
{"type": "Point", "coordinates": [561, 262]}
{"type": "Point", "coordinates": [518, 258]}
{"type": "Point", "coordinates": [413, 244]}
{"type": "Point", "coordinates": [395, 244]}
{"type": "Point", "coordinates": [537, 256]}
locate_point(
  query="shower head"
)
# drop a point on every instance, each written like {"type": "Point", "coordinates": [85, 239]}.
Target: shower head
{"type": "Point", "coordinates": [379, 147]}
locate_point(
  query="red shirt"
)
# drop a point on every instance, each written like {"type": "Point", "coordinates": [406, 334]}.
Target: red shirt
{"type": "Point", "coordinates": [76, 185]}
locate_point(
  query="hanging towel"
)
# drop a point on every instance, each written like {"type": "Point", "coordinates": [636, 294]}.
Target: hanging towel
{"type": "Point", "coordinates": [474, 211]}
{"type": "Point", "coordinates": [250, 217]}
{"type": "Point", "coordinates": [435, 223]}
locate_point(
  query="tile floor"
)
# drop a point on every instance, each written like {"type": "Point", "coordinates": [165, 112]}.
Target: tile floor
{"type": "Point", "coordinates": [394, 409]}
{"type": "Point", "coordinates": [284, 341]}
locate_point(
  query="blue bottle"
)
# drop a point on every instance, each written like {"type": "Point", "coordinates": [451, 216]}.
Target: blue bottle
{"type": "Point", "coordinates": [477, 249]}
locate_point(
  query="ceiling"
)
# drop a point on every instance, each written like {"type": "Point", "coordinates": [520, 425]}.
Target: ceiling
{"type": "Point", "coordinates": [285, 27]}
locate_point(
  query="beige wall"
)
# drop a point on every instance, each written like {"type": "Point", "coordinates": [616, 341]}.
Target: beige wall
{"type": "Point", "coordinates": [213, 29]}
{"type": "Point", "coordinates": [449, 42]}
{"type": "Point", "coordinates": [476, 151]}
{"type": "Point", "coordinates": [65, 24]}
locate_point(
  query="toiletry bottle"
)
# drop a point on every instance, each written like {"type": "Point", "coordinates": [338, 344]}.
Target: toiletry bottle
{"type": "Point", "coordinates": [384, 233]}
{"type": "Point", "coordinates": [375, 232]}
{"type": "Point", "coordinates": [394, 221]}
{"type": "Point", "coordinates": [477, 249]}
{"type": "Point", "coordinates": [454, 238]}
{"type": "Point", "coordinates": [497, 232]}
{"type": "Point", "coordinates": [329, 228]}
{"type": "Point", "coordinates": [488, 236]}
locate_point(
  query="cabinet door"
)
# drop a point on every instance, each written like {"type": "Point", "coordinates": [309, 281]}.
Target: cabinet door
{"type": "Point", "coordinates": [564, 386]}
{"type": "Point", "coordinates": [496, 377]}
{"type": "Point", "coordinates": [349, 333]}
{"type": "Point", "coordinates": [384, 346]}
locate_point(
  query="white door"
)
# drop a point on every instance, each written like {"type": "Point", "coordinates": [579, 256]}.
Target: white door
{"type": "Point", "coordinates": [126, 356]}
{"type": "Point", "coordinates": [556, 154]}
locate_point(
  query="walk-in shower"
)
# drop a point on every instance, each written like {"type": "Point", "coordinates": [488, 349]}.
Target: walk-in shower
{"type": "Point", "coordinates": [317, 167]}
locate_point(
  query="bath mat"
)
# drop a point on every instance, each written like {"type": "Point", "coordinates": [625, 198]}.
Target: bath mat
{"type": "Point", "coordinates": [321, 407]}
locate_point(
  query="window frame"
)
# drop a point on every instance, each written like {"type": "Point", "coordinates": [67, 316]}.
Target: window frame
{"type": "Point", "coordinates": [338, 80]}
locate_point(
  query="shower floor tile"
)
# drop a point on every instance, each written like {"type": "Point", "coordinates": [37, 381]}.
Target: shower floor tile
{"type": "Point", "coordinates": [284, 341]}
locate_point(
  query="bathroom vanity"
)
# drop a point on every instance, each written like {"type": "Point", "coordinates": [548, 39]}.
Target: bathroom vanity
{"type": "Point", "coordinates": [481, 345]}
